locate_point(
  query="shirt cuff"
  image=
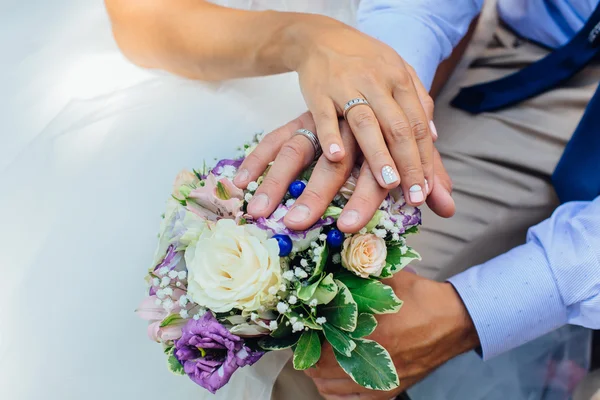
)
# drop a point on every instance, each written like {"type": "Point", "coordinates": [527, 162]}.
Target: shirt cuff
{"type": "Point", "coordinates": [423, 52]}
{"type": "Point", "coordinates": [512, 299]}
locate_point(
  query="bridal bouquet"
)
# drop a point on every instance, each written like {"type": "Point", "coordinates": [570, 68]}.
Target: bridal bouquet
{"type": "Point", "coordinates": [226, 288]}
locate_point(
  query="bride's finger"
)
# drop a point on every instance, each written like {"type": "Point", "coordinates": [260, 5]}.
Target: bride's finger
{"type": "Point", "coordinates": [326, 180]}
{"type": "Point", "coordinates": [294, 156]}
{"type": "Point", "coordinates": [367, 130]}
{"type": "Point", "coordinates": [255, 164]}
{"type": "Point", "coordinates": [363, 203]}
{"type": "Point", "coordinates": [328, 131]}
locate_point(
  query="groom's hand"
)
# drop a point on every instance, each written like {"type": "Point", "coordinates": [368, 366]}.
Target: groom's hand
{"type": "Point", "coordinates": [432, 327]}
{"type": "Point", "coordinates": [291, 155]}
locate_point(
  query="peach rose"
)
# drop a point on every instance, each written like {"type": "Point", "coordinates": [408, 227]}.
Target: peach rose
{"type": "Point", "coordinates": [364, 255]}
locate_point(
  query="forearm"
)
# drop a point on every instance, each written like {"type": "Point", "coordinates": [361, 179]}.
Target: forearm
{"type": "Point", "coordinates": [200, 40]}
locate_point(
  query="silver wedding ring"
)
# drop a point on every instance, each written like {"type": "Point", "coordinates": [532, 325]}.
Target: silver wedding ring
{"type": "Point", "coordinates": [353, 103]}
{"type": "Point", "coordinates": [314, 140]}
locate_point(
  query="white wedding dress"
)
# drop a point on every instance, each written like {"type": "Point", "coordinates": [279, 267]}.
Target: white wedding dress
{"type": "Point", "coordinates": [89, 147]}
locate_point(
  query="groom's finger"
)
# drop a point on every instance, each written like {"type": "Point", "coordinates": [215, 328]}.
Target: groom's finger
{"type": "Point", "coordinates": [325, 181]}
{"type": "Point", "coordinates": [363, 203]}
{"type": "Point", "coordinates": [294, 156]}
{"type": "Point", "coordinates": [256, 163]}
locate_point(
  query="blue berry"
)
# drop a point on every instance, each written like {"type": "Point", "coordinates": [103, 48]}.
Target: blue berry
{"type": "Point", "coordinates": [285, 244]}
{"type": "Point", "coordinates": [296, 188]}
{"type": "Point", "coordinates": [335, 238]}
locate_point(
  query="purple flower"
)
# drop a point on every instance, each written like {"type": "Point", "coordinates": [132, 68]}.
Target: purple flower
{"type": "Point", "coordinates": [401, 214]}
{"type": "Point", "coordinates": [226, 167]}
{"type": "Point", "coordinates": [210, 354]}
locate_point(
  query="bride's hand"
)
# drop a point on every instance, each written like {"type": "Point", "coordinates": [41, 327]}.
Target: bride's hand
{"type": "Point", "coordinates": [292, 154]}
{"type": "Point", "coordinates": [336, 64]}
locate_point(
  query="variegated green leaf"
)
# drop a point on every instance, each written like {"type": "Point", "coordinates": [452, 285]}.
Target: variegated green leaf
{"type": "Point", "coordinates": [326, 291]}
{"type": "Point", "coordinates": [370, 295]}
{"type": "Point", "coordinates": [308, 350]}
{"type": "Point", "coordinates": [271, 343]}
{"type": "Point", "coordinates": [173, 364]}
{"type": "Point", "coordinates": [320, 267]}
{"type": "Point", "coordinates": [338, 339]}
{"type": "Point", "coordinates": [306, 292]}
{"type": "Point", "coordinates": [369, 365]}
{"type": "Point", "coordinates": [342, 311]}
{"type": "Point", "coordinates": [365, 325]}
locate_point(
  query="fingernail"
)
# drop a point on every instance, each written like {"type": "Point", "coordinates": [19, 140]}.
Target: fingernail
{"type": "Point", "coordinates": [242, 176]}
{"type": "Point", "coordinates": [416, 194]}
{"type": "Point", "coordinates": [259, 203]}
{"type": "Point", "coordinates": [334, 148]}
{"type": "Point", "coordinates": [298, 213]}
{"type": "Point", "coordinates": [433, 129]}
{"type": "Point", "coordinates": [349, 218]}
{"type": "Point", "coordinates": [389, 175]}
{"type": "Point", "coordinates": [426, 187]}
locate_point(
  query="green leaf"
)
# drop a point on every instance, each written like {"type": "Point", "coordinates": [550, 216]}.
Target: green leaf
{"type": "Point", "coordinates": [375, 220]}
{"type": "Point", "coordinates": [320, 267]}
{"type": "Point", "coordinates": [342, 310]}
{"type": "Point", "coordinates": [282, 330]}
{"type": "Point", "coordinates": [371, 296]}
{"type": "Point", "coordinates": [271, 343]}
{"type": "Point", "coordinates": [411, 230]}
{"type": "Point", "coordinates": [369, 365]}
{"type": "Point", "coordinates": [306, 292]}
{"type": "Point", "coordinates": [339, 339]}
{"type": "Point", "coordinates": [332, 211]}
{"type": "Point", "coordinates": [365, 325]}
{"type": "Point", "coordinates": [326, 291]}
{"type": "Point", "coordinates": [174, 365]}
{"type": "Point", "coordinates": [308, 350]}
{"type": "Point", "coordinates": [396, 261]}
{"type": "Point", "coordinates": [222, 192]}
{"type": "Point", "coordinates": [171, 320]}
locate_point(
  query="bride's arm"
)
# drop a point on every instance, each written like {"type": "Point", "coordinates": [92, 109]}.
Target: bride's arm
{"type": "Point", "coordinates": [335, 64]}
{"type": "Point", "coordinates": [204, 41]}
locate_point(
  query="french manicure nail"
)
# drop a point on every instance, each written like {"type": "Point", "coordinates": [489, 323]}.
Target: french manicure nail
{"type": "Point", "coordinates": [433, 129]}
{"type": "Point", "coordinates": [334, 148]}
{"type": "Point", "coordinates": [426, 187]}
{"type": "Point", "coordinates": [298, 214]}
{"type": "Point", "coordinates": [349, 218]}
{"type": "Point", "coordinates": [389, 175]}
{"type": "Point", "coordinates": [259, 203]}
{"type": "Point", "coordinates": [416, 194]}
{"type": "Point", "coordinates": [242, 176]}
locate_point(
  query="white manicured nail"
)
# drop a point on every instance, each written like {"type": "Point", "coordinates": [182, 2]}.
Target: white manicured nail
{"type": "Point", "coordinates": [416, 194]}
{"type": "Point", "coordinates": [389, 175]}
{"type": "Point", "coordinates": [334, 148]}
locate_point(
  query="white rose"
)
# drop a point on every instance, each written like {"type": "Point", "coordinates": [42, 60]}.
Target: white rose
{"type": "Point", "coordinates": [233, 266]}
{"type": "Point", "coordinates": [364, 255]}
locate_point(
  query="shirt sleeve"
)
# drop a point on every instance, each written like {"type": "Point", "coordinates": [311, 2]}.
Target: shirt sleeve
{"type": "Point", "coordinates": [552, 280]}
{"type": "Point", "coordinates": [422, 32]}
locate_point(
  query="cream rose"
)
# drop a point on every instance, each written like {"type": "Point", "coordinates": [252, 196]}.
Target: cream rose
{"type": "Point", "coordinates": [364, 255]}
{"type": "Point", "coordinates": [232, 266]}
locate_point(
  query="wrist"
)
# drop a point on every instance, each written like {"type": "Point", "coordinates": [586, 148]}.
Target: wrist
{"type": "Point", "coordinates": [298, 36]}
{"type": "Point", "coordinates": [463, 328]}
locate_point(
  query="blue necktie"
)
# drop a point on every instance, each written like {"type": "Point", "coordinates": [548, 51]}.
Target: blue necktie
{"type": "Point", "coordinates": [577, 176]}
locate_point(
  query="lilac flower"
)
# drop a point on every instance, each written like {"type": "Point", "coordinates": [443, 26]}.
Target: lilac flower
{"type": "Point", "coordinates": [210, 354]}
{"type": "Point", "coordinates": [301, 239]}
{"type": "Point", "coordinates": [401, 214]}
{"type": "Point", "coordinates": [226, 168]}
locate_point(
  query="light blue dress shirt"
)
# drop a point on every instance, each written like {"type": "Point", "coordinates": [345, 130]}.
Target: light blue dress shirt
{"type": "Point", "coordinates": [424, 32]}
{"type": "Point", "coordinates": [554, 279]}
